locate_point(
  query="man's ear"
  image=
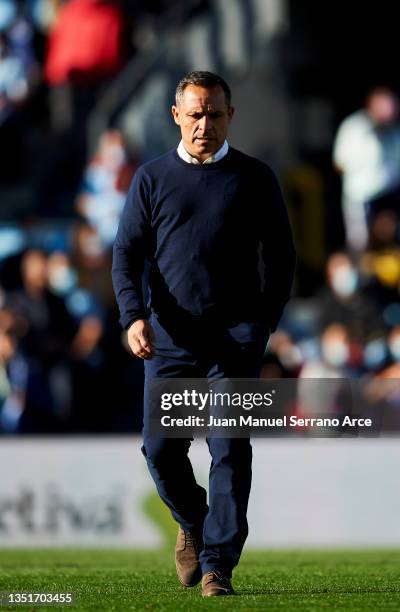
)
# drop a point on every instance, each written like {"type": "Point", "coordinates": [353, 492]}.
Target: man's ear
{"type": "Point", "coordinates": [175, 114]}
{"type": "Point", "coordinates": [231, 112]}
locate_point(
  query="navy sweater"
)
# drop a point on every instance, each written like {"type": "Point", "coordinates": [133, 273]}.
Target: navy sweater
{"type": "Point", "coordinates": [202, 229]}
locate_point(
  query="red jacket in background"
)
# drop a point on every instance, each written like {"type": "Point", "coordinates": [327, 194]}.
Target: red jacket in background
{"type": "Point", "coordinates": [86, 42]}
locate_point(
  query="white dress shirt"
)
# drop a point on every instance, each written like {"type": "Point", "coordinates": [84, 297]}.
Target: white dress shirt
{"type": "Point", "coordinates": [183, 154]}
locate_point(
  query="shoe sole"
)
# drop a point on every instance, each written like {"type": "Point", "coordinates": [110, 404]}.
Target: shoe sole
{"type": "Point", "coordinates": [217, 594]}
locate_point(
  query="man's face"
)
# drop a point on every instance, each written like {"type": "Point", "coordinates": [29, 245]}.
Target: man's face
{"type": "Point", "coordinates": [203, 117]}
{"type": "Point", "coordinates": [383, 108]}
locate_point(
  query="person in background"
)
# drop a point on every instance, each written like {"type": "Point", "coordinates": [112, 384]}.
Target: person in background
{"type": "Point", "coordinates": [380, 264]}
{"type": "Point", "coordinates": [366, 152]}
{"type": "Point", "coordinates": [105, 185]}
{"type": "Point", "coordinates": [86, 47]}
{"type": "Point", "coordinates": [46, 343]}
{"type": "Point", "coordinates": [323, 388]}
{"type": "Point", "coordinates": [14, 372]}
{"type": "Point", "coordinates": [342, 300]}
{"type": "Point", "coordinates": [383, 388]}
{"type": "Point", "coordinates": [334, 358]}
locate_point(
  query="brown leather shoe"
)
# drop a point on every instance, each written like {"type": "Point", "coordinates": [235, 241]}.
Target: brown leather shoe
{"type": "Point", "coordinates": [215, 583]}
{"type": "Point", "coordinates": [187, 549]}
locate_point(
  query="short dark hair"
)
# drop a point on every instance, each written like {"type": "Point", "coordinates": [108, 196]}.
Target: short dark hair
{"type": "Point", "coordinates": [204, 79]}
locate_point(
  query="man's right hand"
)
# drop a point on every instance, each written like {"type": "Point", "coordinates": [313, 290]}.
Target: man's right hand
{"type": "Point", "coordinates": [140, 339]}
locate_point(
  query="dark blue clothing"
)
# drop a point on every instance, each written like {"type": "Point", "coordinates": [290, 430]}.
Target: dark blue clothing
{"type": "Point", "coordinates": [201, 228]}
{"type": "Point", "coordinates": [223, 522]}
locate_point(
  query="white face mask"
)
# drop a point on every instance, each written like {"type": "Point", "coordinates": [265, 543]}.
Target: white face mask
{"type": "Point", "coordinates": [394, 347]}
{"type": "Point", "coordinates": [344, 281]}
{"type": "Point", "coordinates": [62, 279]}
{"type": "Point", "coordinates": [375, 353]}
{"type": "Point", "coordinates": [335, 353]}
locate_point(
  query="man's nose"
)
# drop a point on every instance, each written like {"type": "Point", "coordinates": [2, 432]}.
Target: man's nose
{"type": "Point", "coordinates": [204, 123]}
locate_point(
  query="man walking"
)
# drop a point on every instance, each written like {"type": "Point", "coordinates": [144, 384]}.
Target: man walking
{"type": "Point", "coordinates": [201, 215]}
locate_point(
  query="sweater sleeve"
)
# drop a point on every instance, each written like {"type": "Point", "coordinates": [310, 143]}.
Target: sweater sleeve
{"type": "Point", "coordinates": [278, 252]}
{"type": "Point", "coordinates": [129, 252]}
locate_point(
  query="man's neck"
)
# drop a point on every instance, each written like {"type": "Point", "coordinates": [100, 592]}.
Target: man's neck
{"type": "Point", "coordinates": [213, 157]}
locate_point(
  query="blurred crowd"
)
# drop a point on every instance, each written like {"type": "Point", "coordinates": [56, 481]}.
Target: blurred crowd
{"type": "Point", "coordinates": [349, 327]}
{"type": "Point", "coordinates": [57, 58]}
{"type": "Point", "coordinates": [65, 366]}
{"type": "Point", "coordinates": [63, 363]}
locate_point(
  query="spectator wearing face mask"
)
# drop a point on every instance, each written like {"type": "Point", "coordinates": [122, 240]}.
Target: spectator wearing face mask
{"type": "Point", "coordinates": [318, 395]}
{"type": "Point", "coordinates": [46, 344]}
{"type": "Point", "coordinates": [335, 355]}
{"type": "Point", "coordinates": [375, 354]}
{"type": "Point", "coordinates": [343, 301]}
{"type": "Point", "coordinates": [62, 276]}
{"type": "Point", "coordinates": [383, 389]}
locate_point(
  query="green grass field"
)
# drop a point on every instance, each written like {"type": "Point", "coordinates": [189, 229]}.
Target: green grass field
{"type": "Point", "coordinates": [285, 581]}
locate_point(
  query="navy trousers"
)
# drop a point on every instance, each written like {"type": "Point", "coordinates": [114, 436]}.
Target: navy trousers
{"type": "Point", "coordinates": [205, 351]}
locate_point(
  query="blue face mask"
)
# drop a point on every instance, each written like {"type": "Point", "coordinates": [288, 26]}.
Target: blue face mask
{"type": "Point", "coordinates": [62, 280]}
{"type": "Point", "coordinates": [375, 353]}
{"type": "Point", "coordinates": [344, 281]}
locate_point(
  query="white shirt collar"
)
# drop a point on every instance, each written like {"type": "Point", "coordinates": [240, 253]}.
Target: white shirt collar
{"type": "Point", "coordinates": [183, 154]}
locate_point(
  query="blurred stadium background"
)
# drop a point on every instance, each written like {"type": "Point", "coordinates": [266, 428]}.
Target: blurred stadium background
{"type": "Point", "coordinates": [85, 93]}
